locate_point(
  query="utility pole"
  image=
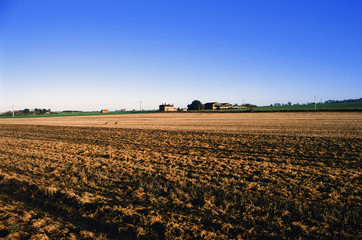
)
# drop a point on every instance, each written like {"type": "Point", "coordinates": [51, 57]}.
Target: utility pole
{"type": "Point", "coordinates": [13, 112]}
{"type": "Point", "coordinates": [315, 104]}
{"type": "Point", "coordinates": [140, 105]}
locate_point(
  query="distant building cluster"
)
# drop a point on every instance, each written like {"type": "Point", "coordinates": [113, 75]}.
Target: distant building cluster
{"type": "Point", "coordinates": [221, 106]}
{"type": "Point", "coordinates": [197, 105]}
{"type": "Point", "coordinates": [164, 107]}
{"type": "Point", "coordinates": [217, 106]}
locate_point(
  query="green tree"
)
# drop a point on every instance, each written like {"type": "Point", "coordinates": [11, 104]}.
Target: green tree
{"type": "Point", "coordinates": [196, 105]}
{"type": "Point", "coordinates": [250, 107]}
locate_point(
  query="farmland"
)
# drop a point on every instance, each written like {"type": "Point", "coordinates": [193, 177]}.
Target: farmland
{"type": "Point", "coordinates": [182, 176]}
{"type": "Point", "coordinates": [344, 106]}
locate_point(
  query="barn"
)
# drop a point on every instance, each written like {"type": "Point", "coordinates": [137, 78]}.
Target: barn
{"type": "Point", "coordinates": [217, 106]}
{"type": "Point", "coordinates": [164, 107]}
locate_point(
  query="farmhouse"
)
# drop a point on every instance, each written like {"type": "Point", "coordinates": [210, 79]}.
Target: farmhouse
{"type": "Point", "coordinates": [217, 106]}
{"type": "Point", "coordinates": [164, 107]}
{"type": "Point", "coordinates": [104, 111]}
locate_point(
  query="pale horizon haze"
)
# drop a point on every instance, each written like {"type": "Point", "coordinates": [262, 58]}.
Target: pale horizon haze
{"type": "Point", "coordinates": [90, 54]}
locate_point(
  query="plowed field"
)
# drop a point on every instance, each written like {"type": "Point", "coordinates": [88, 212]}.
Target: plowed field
{"type": "Point", "coordinates": [182, 176]}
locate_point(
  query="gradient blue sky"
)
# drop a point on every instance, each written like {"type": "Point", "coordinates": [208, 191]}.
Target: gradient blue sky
{"type": "Point", "coordinates": [93, 54]}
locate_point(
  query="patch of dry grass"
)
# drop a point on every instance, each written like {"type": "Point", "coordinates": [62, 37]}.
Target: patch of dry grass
{"type": "Point", "coordinates": [98, 183]}
{"type": "Point", "coordinates": [330, 124]}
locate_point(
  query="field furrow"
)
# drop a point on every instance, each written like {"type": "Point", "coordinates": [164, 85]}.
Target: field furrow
{"type": "Point", "coordinates": [155, 184]}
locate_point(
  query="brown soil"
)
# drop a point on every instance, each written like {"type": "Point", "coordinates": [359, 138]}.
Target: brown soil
{"type": "Point", "coordinates": [330, 124]}
{"type": "Point", "coordinates": [182, 176]}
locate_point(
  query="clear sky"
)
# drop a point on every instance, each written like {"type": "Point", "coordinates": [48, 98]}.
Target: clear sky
{"type": "Point", "coordinates": [94, 54]}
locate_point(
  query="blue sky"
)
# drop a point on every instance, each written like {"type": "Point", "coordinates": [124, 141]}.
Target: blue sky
{"type": "Point", "coordinates": [93, 54]}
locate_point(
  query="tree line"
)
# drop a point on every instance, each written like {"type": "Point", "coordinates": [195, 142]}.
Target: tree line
{"type": "Point", "coordinates": [27, 111]}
